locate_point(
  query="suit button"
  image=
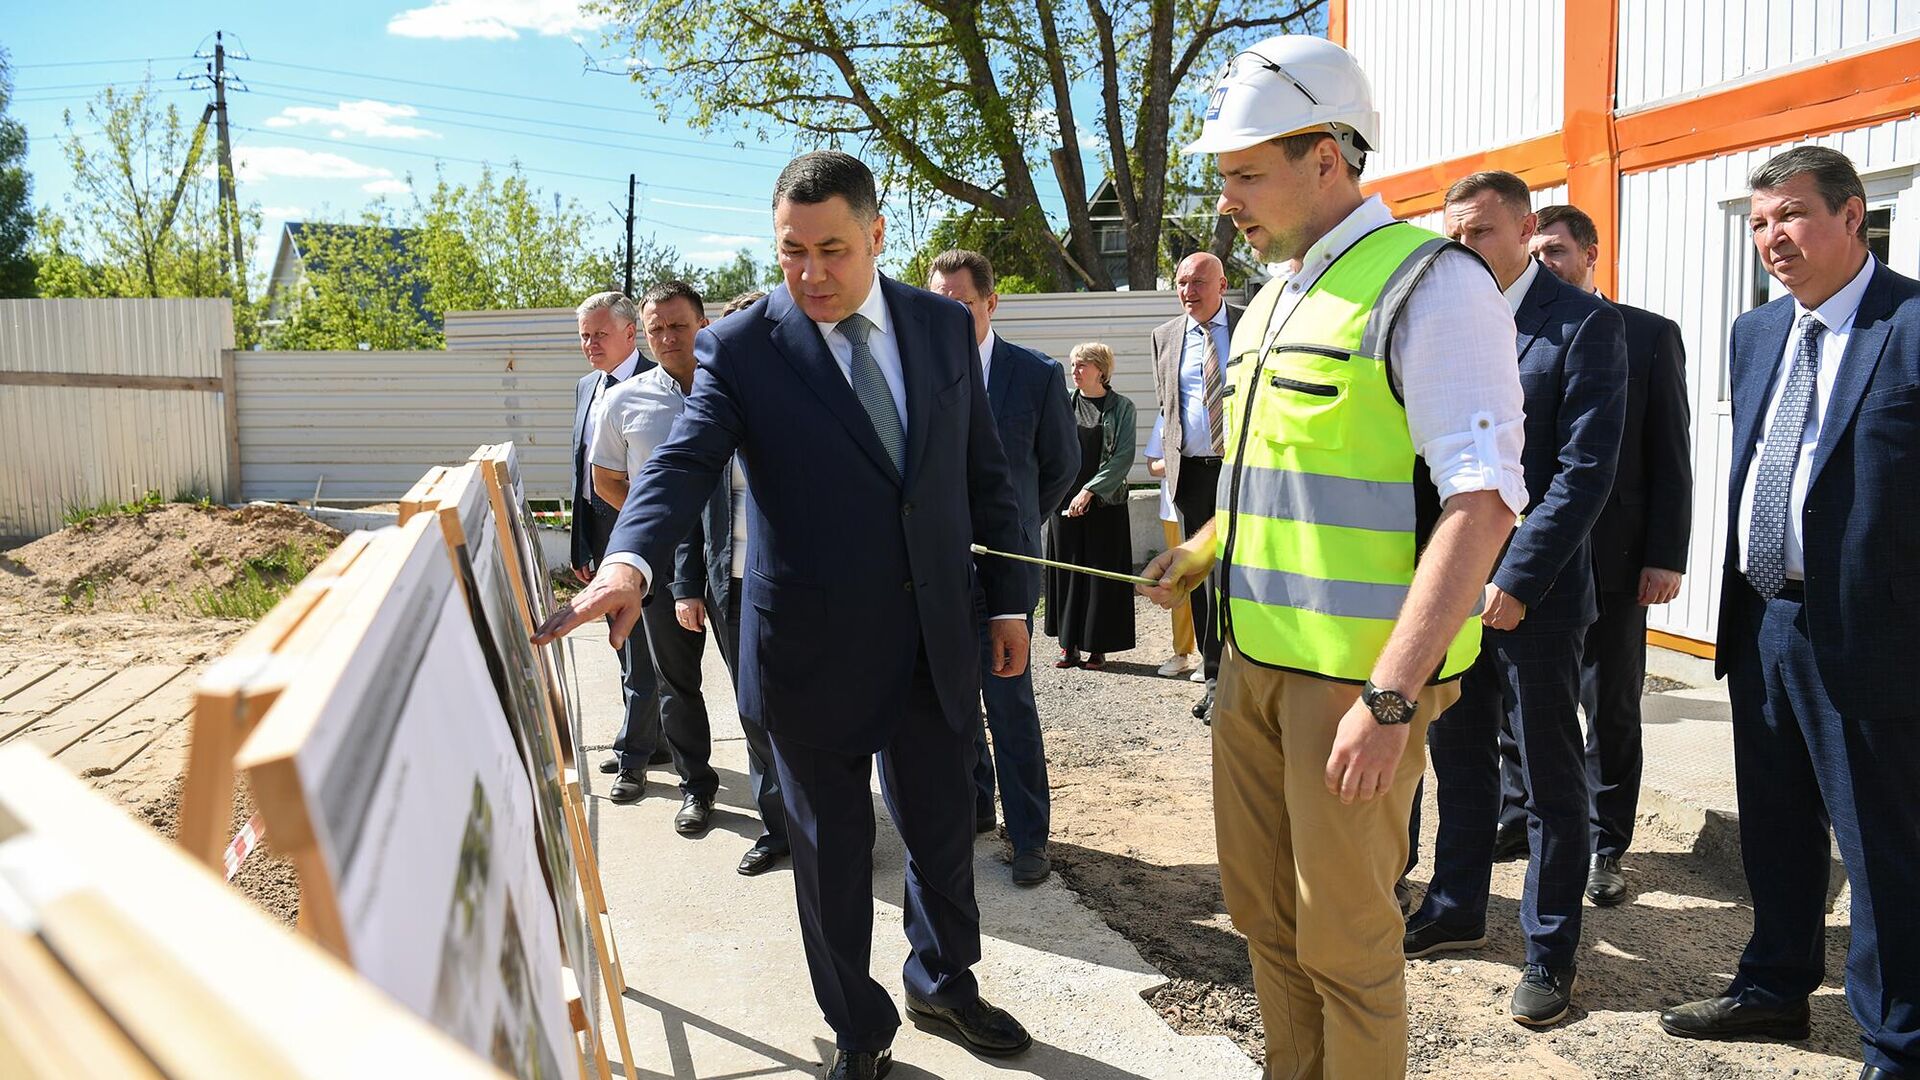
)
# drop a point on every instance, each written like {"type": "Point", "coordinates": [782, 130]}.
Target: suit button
{"type": "Point", "coordinates": [908, 586]}
{"type": "Point", "coordinates": [906, 510]}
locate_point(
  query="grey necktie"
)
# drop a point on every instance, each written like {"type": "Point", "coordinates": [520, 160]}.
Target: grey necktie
{"type": "Point", "coordinates": [1773, 487]}
{"type": "Point", "coordinates": [870, 386]}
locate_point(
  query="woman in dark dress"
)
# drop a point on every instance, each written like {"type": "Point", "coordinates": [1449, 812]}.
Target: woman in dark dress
{"type": "Point", "coordinates": [1088, 614]}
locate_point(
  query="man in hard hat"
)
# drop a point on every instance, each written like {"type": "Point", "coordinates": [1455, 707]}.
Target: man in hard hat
{"type": "Point", "coordinates": [1372, 471]}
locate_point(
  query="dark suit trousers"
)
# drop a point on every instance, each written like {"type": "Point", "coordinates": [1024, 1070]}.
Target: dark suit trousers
{"type": "Point", "coordinates": [639, 734]}
{"type": "Point", "coordinates": [1613, 675]}
{"type": "Point", "coordinates": [1800, 766]}
{"type": "Point", "coordinates": [763, 781]}
{"type": "Point", "coordinates": [1017, 758]}
{"type": "Point", "coordinates": [683, 710]}
{"type": "Point", "coordinates": [1196, 501]}
{"type": "Point", "coordinates": [925, 777]}
{"type": "Point", "coordinates": [1531, 680]}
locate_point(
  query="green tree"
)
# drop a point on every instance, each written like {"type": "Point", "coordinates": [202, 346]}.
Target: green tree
{"type": "Point", "coordinates": [1013, 263]}
{"type": "Point", "coordinates": [744, 274]}
{"type": "Point", "coordinates": [363, 288]}
{"type": "Point", "coordinates": [16, 188]}
{"type": "Point", "coordinates": [143, 217]}
{"type": "Point", "coordinates": [493, 245]}
{"type": "Point", "coordinates": [964, 99]}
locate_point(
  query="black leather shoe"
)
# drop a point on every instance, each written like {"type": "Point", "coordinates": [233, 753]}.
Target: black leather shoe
{"type": "Point", "coordinates": [759, 859]}
{"type": "Point", "coordinates": [1203, 709]}
{"type": "Point", "coordinates": [985, 1029]}
{"type": "Point", "coordinates": [1732, 1018]}
{"type": "Point", "coordinates": [1606, 885]}
{"type": "Point", "coordinates": [611, 765]}
{"type": "Point", "coordinates": [1428, 936]}
{"type": "Point", "coordinates": [1031, 868]}
{"type": "Point", "coordinates": [984, 824]}
{"type": "Point", "coordinates": [1874, 1072]}
{"type": "Point", "coordinates": [859, 1065]}
{"type": "Point", "coordinates": [628, 787]}
{"type": "Point", "coordinates": [1510, 843]}
{"type": "Point", "coordinates": [695, 812]}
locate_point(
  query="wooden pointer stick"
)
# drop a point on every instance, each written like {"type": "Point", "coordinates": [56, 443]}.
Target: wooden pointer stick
{"type": "Point", "coordinates": [1111, 575]}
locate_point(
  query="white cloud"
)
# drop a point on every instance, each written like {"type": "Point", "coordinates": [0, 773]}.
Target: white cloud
{"type": "Point", "coordinates": [387, 187]}
{"type": "Point", "coordinates": [493, 20]}
{"type": "Point", "coordinates": [732, 242]}
{"type": "Point", "coordinates": [371, 118]}
{"type": "Point", "coordinates": [714, 256]}
{"type": "Point", "coordinates": [253, 163]}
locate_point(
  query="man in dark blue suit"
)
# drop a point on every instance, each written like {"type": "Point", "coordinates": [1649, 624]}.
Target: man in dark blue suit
{"type": "Point", "coordinates": [858, 411]}
{"type": "Point", "coordinates": [1573, 371]}
{"type": "Point", "coordinates": [1639, 558]}
{"type": "Point", "coordinates": [1819, 616]}
{"type": "Point", "coordinates": [1028, 395]}
{"type": "Point", "coordinates": [609, 340]}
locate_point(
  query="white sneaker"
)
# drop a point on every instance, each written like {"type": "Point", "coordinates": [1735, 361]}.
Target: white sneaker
{"type": "Point", "coordinates": [1199, 674]}
{"type": "Point", "coordinates": [1178, 664]}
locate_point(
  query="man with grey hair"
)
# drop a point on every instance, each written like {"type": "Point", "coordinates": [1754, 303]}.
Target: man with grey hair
{"type": "Point", "coordinates": [608, 339]}
{"type": "Point", "coordinates": [1819, 611]}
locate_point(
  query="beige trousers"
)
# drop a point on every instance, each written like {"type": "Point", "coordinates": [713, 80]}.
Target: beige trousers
{"type": "Point", "coordinates": [1183, 642]}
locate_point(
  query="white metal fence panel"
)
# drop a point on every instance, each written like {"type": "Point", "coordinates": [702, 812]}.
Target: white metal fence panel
{"type": "Point", "coordinates": [1670, 50]}
{"type": "Point", "coordinates": [106, 400]}
{"type": "Point", "coordinates": [1452, 77]}
{"type": "Point", "coordinates": [362, 426]}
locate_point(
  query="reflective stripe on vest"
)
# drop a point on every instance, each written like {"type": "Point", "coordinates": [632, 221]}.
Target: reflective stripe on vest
{"type": "Point", "coordinates": [1317, 499]}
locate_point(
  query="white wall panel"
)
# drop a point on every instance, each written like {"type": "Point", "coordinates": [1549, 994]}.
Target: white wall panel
{"type": "Point", "coordinates": [1678, 245]}
{"type": "Point", "coordinates": [1452, 77]}
{"type": "Point", "coordinates": [72, 446]}
{"type": "Point", "coordinates": [1671, 49]}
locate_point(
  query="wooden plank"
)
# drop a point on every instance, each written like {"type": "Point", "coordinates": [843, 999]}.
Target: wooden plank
{"type": "Point", "coordinates": [50, 1028]}
{"type": "Point", "coordinates": [108, 748]}
{"type": "Point", "coordinates": [23, 676]}
{"type": "Point", "coordinates": [88, 381]}
{"type": "Point", "coordinates": [80, 717]}
{"type": "Point", "coordinates": [46, 695]}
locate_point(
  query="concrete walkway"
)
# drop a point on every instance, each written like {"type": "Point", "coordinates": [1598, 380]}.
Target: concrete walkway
{"type": "Point", "coordinates": [717, 984]}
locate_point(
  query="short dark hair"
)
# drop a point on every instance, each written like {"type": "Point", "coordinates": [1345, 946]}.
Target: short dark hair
{"type": "Point", "coordinates": [1297, 146]}
{"type": "Point", "coordinates": [674, 289]}
{"type": "Point", "coordinates": [1574, 220]}
{"type": "Point", "coordinates": [954, 260]}
{"type": "Point", "coordinates": [1512, 190]}
{"type": "Point", "coordinates": [742, 302]}
{"type": "Point", "coordinates": [820, 175]}
{"type": "Point", "coordinates": [1833, 175]}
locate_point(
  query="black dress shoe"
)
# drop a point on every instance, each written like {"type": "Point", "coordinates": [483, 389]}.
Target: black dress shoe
{"type": "Point", "coordinates": [1031, 867]}
{"type": "Point", "coordinates": [1510, 842]}
{"type": "Point", "coordinates": [628, 787]}
{"type": "Point", "coordinates": [1203, 708]}
{"type": "Point", "coordinates": [1732, 1018]}
{"type": "Point", "coordinates": [695, 812]}
{"type": "Point", "coordinates": [860, 1065]}
{"type": "Point", "coordinates": [1874, 1072]}
{"type": "Point", "coordinates": [662, 756]}
{"type": "Point", "coordinates": [1606, 885]}
{"type": "Point", "coordinates": [985, 1029]}
{"type": "Point", "coordinates": [759, 859]}
{"type": "Point", "coordinates": [983, 824]}
{"type": "Point", "coordinates": [611, 765]}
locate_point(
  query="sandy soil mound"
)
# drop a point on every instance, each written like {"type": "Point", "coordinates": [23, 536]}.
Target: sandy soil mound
{"type": "Point", "coordinates": [157, 560]}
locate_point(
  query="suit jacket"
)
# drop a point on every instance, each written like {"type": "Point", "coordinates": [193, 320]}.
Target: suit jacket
{"type": "Point", "coordinates": [1649, 516]}
{"type": "Point", "coordinates": [1860, 528]}
{"type": "Point", "coordinates": [855, 573]}
{"type": "Point", "coordinates": [1573, 372]}
{"type": "Point", "coordinates": [1168, 339]}
{"type": "Point", "coordinates": [1028, 395]}
{"type": "Point", "coordinates": [593, 516]}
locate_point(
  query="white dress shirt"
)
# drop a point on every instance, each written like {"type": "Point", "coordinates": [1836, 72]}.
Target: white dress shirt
{"type": "Point", "coordinates": [1837, 316]}
{"type": "Point", "coordinates": [1196, 427]}
{"type": "Point", "coordinates": [1155, 452]}
{"type": "Point", "coordinates": [1516, 293]}
{"type": "Point", "coordinates": [881, 341]}
{"type": "Point", "coordinates": [986, 359]}
{"type": "Point", "coordinates": [1454, 360]}
{"type": "Point", "coordinates": [597, 404]}
{"type": "Point", "coordinates": [635, 417]}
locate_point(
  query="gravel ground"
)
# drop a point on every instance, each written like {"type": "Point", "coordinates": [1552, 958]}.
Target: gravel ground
{"type": "Point", "coordinates": [1133, 835]}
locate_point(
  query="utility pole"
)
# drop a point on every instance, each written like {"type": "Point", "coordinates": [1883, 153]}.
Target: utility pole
{"type": "Point", "coordinates": [232, 243]}
{"type": "Point", "coordinates": [632, 182]}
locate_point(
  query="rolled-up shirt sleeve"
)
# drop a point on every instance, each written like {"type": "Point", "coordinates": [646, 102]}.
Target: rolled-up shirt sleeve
{"type": "Point", "coordinates": [610, 442]}
{"type": "Point", "coordinates": [1453, 358]}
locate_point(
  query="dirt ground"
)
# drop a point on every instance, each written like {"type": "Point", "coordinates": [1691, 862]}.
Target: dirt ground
{"type": "Point", "coordinates": [1133, 835]}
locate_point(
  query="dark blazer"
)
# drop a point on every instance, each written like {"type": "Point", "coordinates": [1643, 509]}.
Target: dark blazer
{"type": "Point", "coordinates": [1861, 526]}
{"type": "Point", "coordinates": [703, 563]}
{"type": "Point", "coordinates": [1028, 393]}
{"type": "Point", "coordinates": [1573, 371]}
{"type": "Point", "coordinates": [593, 516]}
{"type": "Point", "coordinates": [1649, 517]}
{"type": "Point", "coordinates": [849, 560]}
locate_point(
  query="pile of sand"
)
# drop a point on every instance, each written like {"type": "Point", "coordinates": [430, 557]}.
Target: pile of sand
{"type": "Point", "coordinates": [154, 561]}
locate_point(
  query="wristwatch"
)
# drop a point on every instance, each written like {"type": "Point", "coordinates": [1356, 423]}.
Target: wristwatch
{"type": "Point", "coordinates": [1388, 706]}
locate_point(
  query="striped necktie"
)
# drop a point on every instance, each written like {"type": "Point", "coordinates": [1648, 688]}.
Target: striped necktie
{"type": "Point", "coordinates": [1214, 392]}
{"type": "Point", "coordinates": [1773, 487]}
{"type": "Point", "coordinates": [870, 386]}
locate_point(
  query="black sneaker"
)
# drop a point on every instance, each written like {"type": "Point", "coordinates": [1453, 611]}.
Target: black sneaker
{"type": "Point", "coordinates": [1606, 885]}
{"type": "Point", "coordinates": [1543, 995]}
{"type": "Point", "coordinates": [1428, 936]}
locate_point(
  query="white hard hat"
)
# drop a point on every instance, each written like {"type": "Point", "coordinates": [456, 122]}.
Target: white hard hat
{"type": "Point", "coordinates": [1287, 85]}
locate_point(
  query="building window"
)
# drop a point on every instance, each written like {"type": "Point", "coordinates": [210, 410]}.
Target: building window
{"type": "Point", "coordinates": [1113, 241]}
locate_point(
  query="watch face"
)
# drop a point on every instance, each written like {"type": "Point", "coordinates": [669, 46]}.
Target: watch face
{"type": "Point", "coordinates": [1390, 708]}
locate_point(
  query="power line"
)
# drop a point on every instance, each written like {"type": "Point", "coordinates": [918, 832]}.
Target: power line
{"type": "Point", "coordinates": [459, 89]}
{"type": "Point", "coordinates": [99, 63]}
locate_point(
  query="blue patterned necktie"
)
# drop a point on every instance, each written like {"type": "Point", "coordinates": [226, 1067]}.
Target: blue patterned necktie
{"type": "Point", "coordinates": [1773, 488]}
{"type": "Point", "coordinates": [870, 386]}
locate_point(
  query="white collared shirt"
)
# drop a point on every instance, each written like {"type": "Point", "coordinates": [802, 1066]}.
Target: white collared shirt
{"type": "Point", "coordinates": [881, 341]}
{"type": "Point", "coordinates": [986, 358]}
{"type": "Point", "coordinates": [1156, 451]}
{"type": "Point", "coordinates": [635, 417]}
{"type": "Point", "coordinates": [1196, 427]}
{"type": "Point", "coordinates": [1454, 359]}
{"type": "Point", "coordinates": [1837, 316]}
{"type": "Point", "coordinates": [597, 404]}
{"type": "Point", "coordinates": [1516, 293]}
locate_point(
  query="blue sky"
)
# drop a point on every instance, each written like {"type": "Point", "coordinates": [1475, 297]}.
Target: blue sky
{"type": "Point", "coordinates": [353, 99]}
